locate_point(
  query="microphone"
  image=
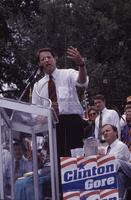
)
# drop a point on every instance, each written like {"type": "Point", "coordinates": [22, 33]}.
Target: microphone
{"type": "Point", "coordinates": [33, 76]}
{"type": "Point", "coordinates": [29, 81]}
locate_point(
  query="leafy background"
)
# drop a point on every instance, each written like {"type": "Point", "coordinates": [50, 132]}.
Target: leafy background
{"type": "Point", "coordinates": [100, 29]}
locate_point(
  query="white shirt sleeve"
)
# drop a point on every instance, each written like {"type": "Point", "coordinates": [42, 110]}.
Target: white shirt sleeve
{"type": "Point", "coordinates": [120, 151]}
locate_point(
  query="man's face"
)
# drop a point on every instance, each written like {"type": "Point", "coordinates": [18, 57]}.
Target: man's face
{"type": "Point", "coordinates": [17, 152]}
{"type": "Point", "coordinates": [92, 115]}
{"type": "Point", "coordinates": [99, 104]}
{"type": "Point", "coordinates": [109, 134]}
{"type": "Point", "coordinates": [128, 115]}
{"type": "Point", "coordinates": [47, 62]}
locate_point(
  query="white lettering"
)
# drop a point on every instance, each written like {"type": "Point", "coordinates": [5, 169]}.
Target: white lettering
{"type": "Point", "coordinates": [91, 184]}
{"type": "Point", "coordinates": [110, 180]}
{"type": "Point", "coordinates": [97, 183]}
{"type": "Point", "coordinates": [84, 173]}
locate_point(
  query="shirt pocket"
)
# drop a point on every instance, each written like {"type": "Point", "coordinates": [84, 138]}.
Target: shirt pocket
{"type": "Point", "coordinates": [63, 92]}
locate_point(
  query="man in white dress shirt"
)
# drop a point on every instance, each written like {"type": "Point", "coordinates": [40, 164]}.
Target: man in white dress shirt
{"type": "Point", "coordinates": [115, 146]}
{"type": "Point", "coordinates": [109, 116]}
{"type": "Point", "coordinates": [70, 127]}
{"type": "Point", "coordinates": [121, 152]}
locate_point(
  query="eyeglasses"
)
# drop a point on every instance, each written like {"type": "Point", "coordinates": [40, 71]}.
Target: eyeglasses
{"type": "Point", "coordinates": [92, 114]}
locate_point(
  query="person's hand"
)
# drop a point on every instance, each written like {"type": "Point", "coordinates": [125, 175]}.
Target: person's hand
{"type": "Point", "coordinates": [74, 55]}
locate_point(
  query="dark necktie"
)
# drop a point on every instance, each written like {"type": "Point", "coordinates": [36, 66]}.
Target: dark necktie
{"type": "Point", "coordinates": [108, 150]}
{"type": "Point", "coordinates": [100, 126]}
{"type": "Point", "coordinates": [52, 94]}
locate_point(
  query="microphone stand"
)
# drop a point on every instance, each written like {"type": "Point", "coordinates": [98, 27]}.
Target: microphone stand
{"type": "Point", "coordinates": [29, 82]}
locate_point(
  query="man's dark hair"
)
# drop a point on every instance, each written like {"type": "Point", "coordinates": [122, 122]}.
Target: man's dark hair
{"type": "Point", "coordinates": [44, 50]}
{"type": "Point", "coordinates": [16, 142]}
{"type": "Point", "coordinates": [128, 106]}
{"type": "Point", "coordinates": [99, 96]}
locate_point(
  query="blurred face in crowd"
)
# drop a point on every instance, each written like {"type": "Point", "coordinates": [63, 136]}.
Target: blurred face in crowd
{"type": "Point", "coordinates": [47, 62]}
{"type": "Point", "coordinates": [92, 114]}
{"type": "Point", "coordinates": [128, 115]}
{"type": "Point", "coordinates": [99, 104]}
{"type": "Point", "coordinates": [18, 152]}
{"type": "Point", "coordinates": [129, 147]}
{"type": "Point", "coordinates": [109, 134]}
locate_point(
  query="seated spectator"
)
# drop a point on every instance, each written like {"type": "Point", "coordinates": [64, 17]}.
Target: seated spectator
{"type": "Point", "coordinates": [123, 117]}
{"type": "Point", "coordinates": [27, 148]}
{"type": "Point", "coordinates": [126, 131]}
{"type": "Point", "coordinates": [24, 187]}
{"type": "Point", "coordinates": [89, 124]}
{"type": "Point", "coordinates": [115, 146]}
{"type": "Point", "coordinates": [21, 166]}
{"type": "Point", "coordinates": [121, 152]}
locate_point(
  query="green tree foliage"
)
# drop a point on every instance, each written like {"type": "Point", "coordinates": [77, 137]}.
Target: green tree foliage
{"type": "Point", "coordinates": [101, 29]}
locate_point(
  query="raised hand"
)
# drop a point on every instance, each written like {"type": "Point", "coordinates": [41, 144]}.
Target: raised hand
{"type": "Point", "coordinates": [74, 55]}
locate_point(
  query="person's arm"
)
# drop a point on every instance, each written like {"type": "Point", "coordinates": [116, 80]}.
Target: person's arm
{"type": "Point", "coordinates": [116, 121]}
{"type": "Point", "coordinates": [75, 55]}
{"type": "Point", "coordinates": [120, 152]}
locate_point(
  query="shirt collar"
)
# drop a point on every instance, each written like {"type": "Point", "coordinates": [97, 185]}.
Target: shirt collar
{"type": "Point", "coordinates": [54, 74]}
{"type": "Point", "coordinates": [113, 143]}
{"type": "Point", "coordinates": [104, 110]}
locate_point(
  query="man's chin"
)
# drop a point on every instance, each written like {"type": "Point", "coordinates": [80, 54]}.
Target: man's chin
{"type": "Point", "coordinates": [50, 70]}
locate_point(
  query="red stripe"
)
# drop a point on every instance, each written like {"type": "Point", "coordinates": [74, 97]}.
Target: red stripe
{"type": "Point", "coordinates": [105, 160]}
{"type": "Point", "coordinates": [64, 158]}
{"type": "Point", "coordinates": [109, 192]}
{"type": "Point", "coordinates": [80, 158]}
{"type": "Point", "coordinates": [90, 193]}
{"type": "Point", "coordinates": [90, 160]}
{"type": "Point", "coordinates": [70, 195]}
{"type": "Point", "coordinates": [67, 164]}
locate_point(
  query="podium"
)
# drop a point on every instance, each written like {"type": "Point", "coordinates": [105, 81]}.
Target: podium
{"type": "Point", "coordinates": [20, 117]}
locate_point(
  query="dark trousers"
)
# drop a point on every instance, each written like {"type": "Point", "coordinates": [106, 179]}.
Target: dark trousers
{"type": "Point", "coordinates": [70, 133]}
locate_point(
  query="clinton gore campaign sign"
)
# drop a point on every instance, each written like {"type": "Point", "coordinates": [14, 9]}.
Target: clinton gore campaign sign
{"type": "Point", "coordinates": [89, 178]}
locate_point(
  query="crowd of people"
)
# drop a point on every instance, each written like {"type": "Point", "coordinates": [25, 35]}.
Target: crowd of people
{"type": "Point", "coordinates": [22, 165]}
{"type": "Point", "coordinates": [114, 138]}
{"type": "Point", "coordinates": [112, 131]}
